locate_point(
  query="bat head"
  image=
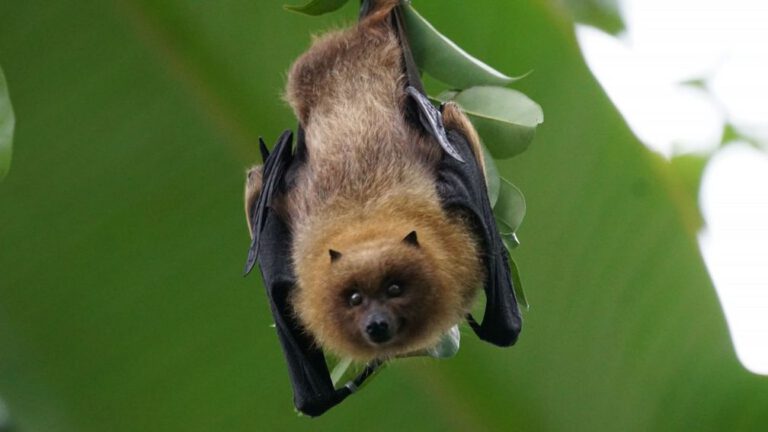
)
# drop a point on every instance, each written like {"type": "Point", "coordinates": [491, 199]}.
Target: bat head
{"type": "Point", "coordinates": [380, 298]}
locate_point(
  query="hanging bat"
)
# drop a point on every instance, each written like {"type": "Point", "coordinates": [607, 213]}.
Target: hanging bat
{"type": "Point", "coordinates": [374, 234]}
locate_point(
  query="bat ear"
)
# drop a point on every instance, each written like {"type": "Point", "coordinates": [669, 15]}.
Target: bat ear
{"type": "Point", "coordinates": [411, 239]}
{"type": "Point", "coordinates": [263, 149]}
{"type": "Point", "coordinates": [335, 255]}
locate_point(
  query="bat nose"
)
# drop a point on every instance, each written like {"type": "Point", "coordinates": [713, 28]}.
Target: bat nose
{"type": "Point", "coordinates": [378, 330]}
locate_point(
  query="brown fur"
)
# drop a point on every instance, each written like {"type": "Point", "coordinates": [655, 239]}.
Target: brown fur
{"type": "Point", "coordinates": [252, 190]}
{"type": "Point", "coordinates": [368, 181]}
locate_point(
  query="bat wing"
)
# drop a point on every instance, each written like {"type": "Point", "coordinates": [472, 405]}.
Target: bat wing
{"type": "Point", "coordinates": [275, 167]}
{"type": "Point", "coordinates": [313, 390]}
{"type": "Point", "coordinates": [461, 186]}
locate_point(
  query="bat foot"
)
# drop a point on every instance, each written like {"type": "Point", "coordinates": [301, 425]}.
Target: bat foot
{"type": "Point", "coordinates": [454, 118]}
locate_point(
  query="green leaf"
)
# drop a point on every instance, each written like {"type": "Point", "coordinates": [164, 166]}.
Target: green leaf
{"type": "Point", "coordinates": [443, 59]}
{"type": "Point", "coordinates": [317, 7]}
{"type": "Point", "coordinates": [510, 208]}
{"type": "Point", "coordinates": [7, 123]}
{"type": "Point", "coordinates": [603, 14]}
{"type": "Point", "coordinates": [340, 370]}
{"type": "Point", "coordinates": [492, 179]}
{"type": "Point", "coordinates": [446, 96]}
{"type": "Point", "coordinates": [506, 119]}
{"type": "Point", "coordinates": [346, 370]}
{"type": "Point", "coordinates": [510, 240]}
{"type": "Point", "coordinates": [5, 418]}
{"type": "Point", "coordinates": [518, 284]}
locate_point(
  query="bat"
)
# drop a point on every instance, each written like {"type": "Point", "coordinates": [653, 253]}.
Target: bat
{"type": "Point", "coordinates": [374, 233]}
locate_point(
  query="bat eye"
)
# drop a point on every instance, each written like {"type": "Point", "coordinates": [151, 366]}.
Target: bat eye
{"type": "Point", "coordinates": [355, 299]}
{"type": "Point", "coordinates": [394, 290]}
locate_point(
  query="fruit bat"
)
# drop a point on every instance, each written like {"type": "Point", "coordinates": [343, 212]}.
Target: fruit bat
{"type": "Point", "coordinates": [375, 230]}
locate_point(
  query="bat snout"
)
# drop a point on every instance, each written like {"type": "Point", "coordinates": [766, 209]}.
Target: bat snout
{"type": "Point", "coordinates": [378, 328]}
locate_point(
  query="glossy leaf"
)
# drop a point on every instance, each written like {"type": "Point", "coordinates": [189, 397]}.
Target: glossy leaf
{"type": "Point", "coordinates": [505, 119]}
{"type": "Point", "coordinates": [7, 124]}
{"type": "Point", "coordinates": [6, 425]}
{"type": "Point", "coordinates": [517, 283]}
{"type": "Point", "coordinates": [510, 208]}
{"type": "Point", "coordinates": [492, 179]}
{"type": "Point", "coordinates": [346, 370]}
{"type": "Point", "coordinates": [443, 59]}
{"type": "Point", "coordinates": [446, 96]}
{"type": "Point", "coordinates": [339, 373]}
{"type": "Point", "coordinates": [317, 7]}
{"type": "Point", "coordinates": [511, 241]}
{"type": "Point", "coordinates": [603, 14]}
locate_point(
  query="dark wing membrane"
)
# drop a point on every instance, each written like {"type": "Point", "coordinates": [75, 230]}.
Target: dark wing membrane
{"type": "Point", "coordinates": [275, 168]}
{"type": "Point", "coordinates": [313, 391]}
{"type": "Point", "coordinates": [461, 187]}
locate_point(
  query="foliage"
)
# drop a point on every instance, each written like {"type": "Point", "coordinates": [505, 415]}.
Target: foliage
{"type": "Point", "coordinates": [7, 122]}
{"type": "Point", "coordinates": [505, 118]}
{"type": "Point", "coordinates": [317, 7]}
{"type": "Point", "coordinates": [603, 14]}
{"type": "Point", "coordinates": [443, 59]}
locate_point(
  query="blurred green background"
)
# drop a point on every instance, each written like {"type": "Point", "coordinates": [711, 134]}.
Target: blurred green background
{"type": "Point", "coordinates": [122, 238]}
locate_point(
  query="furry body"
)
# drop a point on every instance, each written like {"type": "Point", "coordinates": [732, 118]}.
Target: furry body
{"type": "Point", "coordinates": [367, 182]}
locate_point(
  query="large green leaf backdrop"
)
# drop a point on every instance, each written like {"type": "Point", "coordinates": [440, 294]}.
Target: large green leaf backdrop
{"type": "Point", "coordinates": [122, 238]}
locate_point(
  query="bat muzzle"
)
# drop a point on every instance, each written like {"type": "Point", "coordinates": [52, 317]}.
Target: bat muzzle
{"type": "Point", "coordinates": [379, 328]}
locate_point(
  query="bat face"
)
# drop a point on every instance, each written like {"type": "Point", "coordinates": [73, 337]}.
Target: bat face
{"type": "Point", "coordinates": [384, 299]}
{"type": "Point", "coordinates": [382, 305]}
{"type": "Point", "coordinates": [381, 299]}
